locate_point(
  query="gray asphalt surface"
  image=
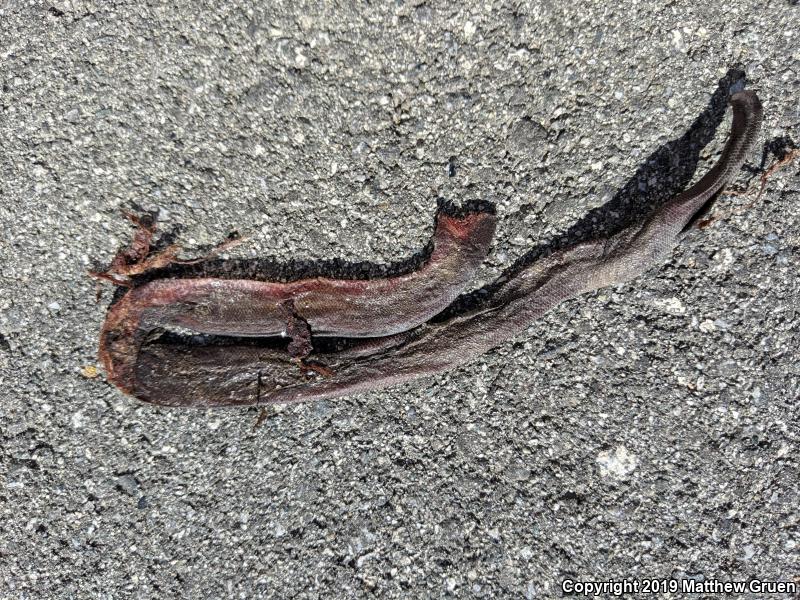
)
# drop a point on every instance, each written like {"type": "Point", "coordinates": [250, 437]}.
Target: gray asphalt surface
{"type": "Point", "coordinates": [645, 431]}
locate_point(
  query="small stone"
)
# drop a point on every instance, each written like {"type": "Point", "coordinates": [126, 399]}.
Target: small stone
{"type": "Point", "coordinates": [300, 59]}
{"type": "Point", "coordinates": [128, 484]}
{"type": "Point", "coordinates": [677, 41]}
{"type": "Point", "coordinates": [618, 463]}
{"type": "Point", "coordinates": [527, 137]}
{"type": "Point", "coordinates": [469, 29]}
{"type": "Point", "coordinates": [78, 420]}
{"type": "Point", "coordinates": [673, 306]}
{"type": "Point", "coordinates": [723, 259]}
{"type": "Point", "coordinates": [89, 371]}
{"type": "Point", "coordinates": [708, 326]}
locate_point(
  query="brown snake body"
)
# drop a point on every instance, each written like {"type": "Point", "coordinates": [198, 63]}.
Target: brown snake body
{"type": "Point", "coordinates": [239, 373]}
{"type": "Point", "coordinates": [319, 306]}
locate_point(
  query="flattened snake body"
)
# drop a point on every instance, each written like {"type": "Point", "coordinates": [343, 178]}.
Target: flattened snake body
{"type": "Point", "coordinates": [183, 373]}
{"type": "Point", "coordinates": [321, 307]}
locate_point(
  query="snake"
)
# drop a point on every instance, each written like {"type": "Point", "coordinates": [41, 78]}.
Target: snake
{"type": "Point", "coordinates": [318, 306]}
{"type": "Point", "coordinates": [254, 368]}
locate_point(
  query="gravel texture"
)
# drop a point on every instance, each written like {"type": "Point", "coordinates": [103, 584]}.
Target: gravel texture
{"type": "Point", "coordinates": [649, 430]}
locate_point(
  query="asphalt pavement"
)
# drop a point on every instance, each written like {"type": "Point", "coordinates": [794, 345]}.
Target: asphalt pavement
{"type": "Point", "coordinates": [645, 431]}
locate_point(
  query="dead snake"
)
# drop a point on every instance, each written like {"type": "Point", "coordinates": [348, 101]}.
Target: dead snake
{"type": "Point", "coordinates": [179, 373]}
